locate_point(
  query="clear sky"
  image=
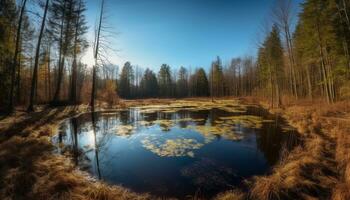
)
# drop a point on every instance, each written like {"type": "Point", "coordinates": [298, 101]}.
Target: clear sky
{"type": "Point", "coordinates": [188, 33]}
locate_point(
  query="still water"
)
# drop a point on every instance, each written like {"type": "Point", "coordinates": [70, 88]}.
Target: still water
{"type": "Point", "coordinates": [176, 153]}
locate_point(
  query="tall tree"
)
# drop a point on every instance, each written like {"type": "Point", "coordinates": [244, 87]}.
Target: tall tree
{"type": "Point", "coordinates": [149, 84]}
{"type": "Point", "coordinates": [165, 81]}
{"type": "Point", "coordinates": [96, 55]}
{"type": "Point", "coordinates": [199, 83]}
{"type": "Point", "coordinates": [15, 57]}
{"type": "Point", "coordinates": [125, 82]}
{"type": "Point", "coordinates": [36, 62]}
{"type": "Point", "coordinates": [7, 43]}
{"type": "Point", "coordinates": [270, 59]}
{"type": "Point", "coordinates": [182, 83]}
{"type": "Point", "coordinates": [284, 18]}
{"type": "Point", "coordinates": [216, 78]}
{"type": "Point", "coordinates": [79, 45]}
{"type": "Point", "coordinates": [62, 23]}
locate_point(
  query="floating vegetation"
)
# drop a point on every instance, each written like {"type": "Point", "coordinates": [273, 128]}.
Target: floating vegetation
{"type": "Point", "coordinates": [145, 123]}
{"type": "Point", "coordinates": [189, 120]}
{"type": "Point", "coordinates": [247, 121]}
{"type": "Point", "coordinates": [171, 147]}
{"type": "Point", "coordinates": [124, 130]}
{"type": "Point", "coordinates": [165, 124]}
{"type": "Point", "coordinates": [232, 106]}
{"type": "Point", "coordinates": [211, 132]}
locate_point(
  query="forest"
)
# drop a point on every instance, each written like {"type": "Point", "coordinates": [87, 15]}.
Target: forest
{"type": "Point", "coordinates": [40, 66]}
{"type": "Point", "coordinates": [301, 71]}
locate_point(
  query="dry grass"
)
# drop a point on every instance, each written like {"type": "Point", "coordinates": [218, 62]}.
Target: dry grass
{"type": "Point", "coordinates": [231, 195]}
{"type": "Point", "coordinates": [317, 169]}
{"type": "Point", "coordinates": [29, 169]}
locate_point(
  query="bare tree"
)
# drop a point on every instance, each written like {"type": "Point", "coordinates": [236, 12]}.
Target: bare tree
{"type": "Point", "coordinates": [96, 52]}
{"type": "Point", "coordinates": [101, 49]}
{"type": "Point", "coordinates": [284, 17]}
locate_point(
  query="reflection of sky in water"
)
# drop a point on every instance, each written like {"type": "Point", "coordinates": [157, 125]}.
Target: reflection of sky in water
{"type": "Point", "coordinates": [174, 153]}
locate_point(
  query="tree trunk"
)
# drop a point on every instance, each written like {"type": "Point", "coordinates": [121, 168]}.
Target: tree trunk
{"type": "Point", "coordinates": [97, 40]}
{"type": "Point", "coordinates": [73, 90]}
{"type": "Point", "coordinates": [18, 96]}
{"type": "Point", "coordinates": [61, 58]}
{"type": "Point", "coordinates": [346, 15]}
{"type": "Point", "coordinates": [292, 61]}
{"type": "Point", "coordinates": [14, 61]}
{"type": "Point", "coordinates": [309, 83]}
{"type": "Point", "coordinates": [49, 72]}
{"type": "Point", "coordinates": [93, 90]}
{"type": "Point", "coordinates": [36, 62]}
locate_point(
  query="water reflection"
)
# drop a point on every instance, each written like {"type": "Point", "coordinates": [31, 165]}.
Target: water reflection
{"type": "Point", "coordinates": [175, 154]}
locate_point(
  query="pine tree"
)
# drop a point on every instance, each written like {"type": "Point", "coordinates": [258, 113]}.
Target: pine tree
{"type": "Point", "coordinates": [165, 81]}
{"type": "Point", "coordinates": [216, 78]}
{"type": "Point", "coordinates": [125, 81]}
{"type": "Point", "coordinates": [182, 83]}
{"type": "Point", "coordinates": [149, 84]}
{"type": "Point", "coordinates": [199, 83]}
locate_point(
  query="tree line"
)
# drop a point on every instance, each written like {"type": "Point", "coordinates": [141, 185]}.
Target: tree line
{"type": "Point", "coordinates": [301, 56]}
{"type": "Point", "coordinates": [235, 79]}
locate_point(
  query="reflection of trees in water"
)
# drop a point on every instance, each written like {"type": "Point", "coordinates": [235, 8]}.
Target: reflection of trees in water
{"type": "Point", "coordinates": [75, 140]}
{"type": "Point", "coordinates": [70, 139]}
{"type": "Point", "coordinates": [272, 140]}
{"type": "Point", "coordinates": [183, 115]}
{"type": "Point", "coordinates": [201, 114]}
{"type": "Point", "coordinates": [93, 121]}
{"type": "Point", "coordinates": [124, 117]}
{"type": "Point", "coordinates": [102, 129]}
{"type": "Point", "coordinates": [99, 126]}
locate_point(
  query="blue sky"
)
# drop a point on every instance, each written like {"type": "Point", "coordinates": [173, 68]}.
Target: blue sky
{"type": "Point", "coordinates": [188, 33]}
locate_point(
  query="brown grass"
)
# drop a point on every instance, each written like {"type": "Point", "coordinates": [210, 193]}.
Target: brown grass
{"type": "Point", "coordinates": [231, 195]}
{"type": "Point", "coordinates": [319, 168]}
{"type": "Point", "coordinates": [29, 169]}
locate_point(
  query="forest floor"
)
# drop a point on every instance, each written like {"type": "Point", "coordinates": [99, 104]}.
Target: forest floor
{"type": "Point", "coordinates": [317, 169]}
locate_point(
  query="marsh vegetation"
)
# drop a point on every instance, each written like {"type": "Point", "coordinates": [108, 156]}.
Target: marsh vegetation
{"type": "Point", "coordinates": [177, 150]}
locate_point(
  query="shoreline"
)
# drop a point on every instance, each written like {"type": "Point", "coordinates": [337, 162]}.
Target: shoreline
{"type": "Point", "coordinates": [61, 179]}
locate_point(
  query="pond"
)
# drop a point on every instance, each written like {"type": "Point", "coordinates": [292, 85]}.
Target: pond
{"type": "Point", "coordinates": [177, 150]}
